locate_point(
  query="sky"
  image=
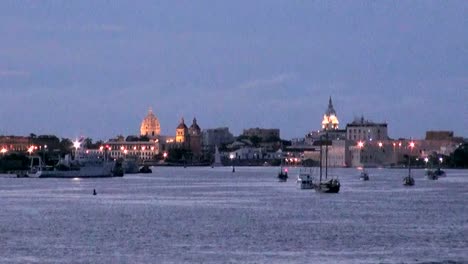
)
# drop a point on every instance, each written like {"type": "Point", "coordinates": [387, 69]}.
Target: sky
{"type": "Point", "coordinates": [94, 68]}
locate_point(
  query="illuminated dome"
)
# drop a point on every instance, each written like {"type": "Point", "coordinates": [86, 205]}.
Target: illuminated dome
{"type": "Point", "coordinates": [330, 120]}
{"type": "Point", "coordinates": [150, 125]}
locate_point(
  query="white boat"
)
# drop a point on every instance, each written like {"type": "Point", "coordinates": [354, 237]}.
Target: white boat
{"type": "Point", "coordinates": [305, 181]}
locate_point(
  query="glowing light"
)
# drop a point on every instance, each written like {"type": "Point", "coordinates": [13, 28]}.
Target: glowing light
{"type": "Point", "coordinates": [426, 159]}
{"type": "Point", "coordinates": [122, 148]}
{"type": "Point", "coordinates": [134, 148]}
{"type": "Point", "coordinates": [101, 148]}
{"type": "Point", "coordinates": [411, 144]}
{"type": "Point", "coordinates": [285, 170]}
{"type": "Point", "coordinates": [399, 144]}
{"type": "Point", "coordinates": [152, 148]}
{"type": "Point", "coordinates": [125, 152]}
{"type": "Point", "coordinates": [76, 179]}
{"type": "Point", "coordinates": [165, 155]}
{"type": "Point", "coordinates": [231, 156]}
{"type": "Point", "coordinates": [143, 148]}
{"type": "Point", "coordinates": [441, 159]}
{"type": "Point", "coordinates": [380, 144]}
{"type": "Point", "coordinates": [76, 144]}
{"type": "Point", "coordinates": [4, 150]}
{"type": "Point", "coordinates": [30, 149]}
{"type": "Point", "coordinates": [360, 144]}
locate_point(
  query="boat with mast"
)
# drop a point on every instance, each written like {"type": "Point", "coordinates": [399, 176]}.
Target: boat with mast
{"type": "Point", "coordinates": [283, 174]}
{"type": "Point", "coordinates": [364, 175]}
{"type": "Point", "coordinates": [327, 186]}
{"type": "Point", "coordinates": [409, 180]}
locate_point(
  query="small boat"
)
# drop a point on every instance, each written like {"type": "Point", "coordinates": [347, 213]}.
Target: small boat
{"type": "Point", "coordinates": [283, 175]}
{"type": "Point", "coordinates": [440, 173]}
{"type": "Point", "coordinates": [305, 181]}
{"type": "Point", "coordinates": [327, 186]}
{"type": "Point", "coordinates": [431, 175]}
{"type": "Point", "coordinates": [364, 176]}
{"type": "Point", "coordinates": [145, 169]}
{"type": "Point", "coordinates": [409, 180]}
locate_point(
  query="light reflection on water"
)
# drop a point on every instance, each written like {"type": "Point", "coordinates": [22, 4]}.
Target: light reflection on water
{"type": "Point", "coordinates": [211, 215]}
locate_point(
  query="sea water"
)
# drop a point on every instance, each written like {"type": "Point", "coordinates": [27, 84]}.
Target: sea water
{"type": "Point", "coordinates": [212, 215]}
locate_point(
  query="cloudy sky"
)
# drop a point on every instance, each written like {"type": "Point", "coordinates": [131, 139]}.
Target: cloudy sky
{"type": "Point", "coordinates": [94, 68]}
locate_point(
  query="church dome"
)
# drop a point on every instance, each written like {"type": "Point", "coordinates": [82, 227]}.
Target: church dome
{"type": "Point", "coordinates": [150, 125]}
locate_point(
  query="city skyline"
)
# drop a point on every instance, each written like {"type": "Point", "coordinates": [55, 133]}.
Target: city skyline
{"type": "Point", "coordinates": [94, 69]}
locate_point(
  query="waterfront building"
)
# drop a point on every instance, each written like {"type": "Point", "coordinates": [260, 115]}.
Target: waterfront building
{"type": "Point", "coordinates": [265, 134]}
{"type": "Point", "coordinates": [121, 148]}
{"type": "Point", "coordinates": [361, 129]}
{"type": "Point", "coordinates": [216, 137]}
{"type": "Point", "coordinates": [150, 126]}
{"type": "Point", "coordinates": [330, 119]}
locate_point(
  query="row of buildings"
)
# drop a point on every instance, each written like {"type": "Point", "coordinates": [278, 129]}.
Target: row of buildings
{"type": "Point", "coordinates": [361, 143]}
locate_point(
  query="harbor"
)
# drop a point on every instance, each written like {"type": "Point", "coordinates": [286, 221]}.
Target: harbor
{"type": "Point", "coordinates": [214, 216]}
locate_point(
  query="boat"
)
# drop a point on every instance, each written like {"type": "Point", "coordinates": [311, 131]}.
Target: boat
{"type": "Point", "coordinates": [327, 186]}
{"type": "Point", "coordinates": [305, 180]}
{"type": "Point", "coordinates": [130, 165]}
{"type": "Point", "coordinates": [440, 173]}
{"type": "Point", "coordinates": [82, 165]}
{"type": "Point", "coordinates": [145, 169]}
{"type": "Point", "coordinates": [431, 175]}
{"type": "Point", "coordinates": [364, 176]}
{"type": "Point", "coordinates": [409, 180]}
{"type": "Point", "coordinates": [283, 174]}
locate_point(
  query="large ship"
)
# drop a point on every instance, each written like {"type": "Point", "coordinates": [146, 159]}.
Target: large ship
{"type": "Point", "coordinates": [83, 165]}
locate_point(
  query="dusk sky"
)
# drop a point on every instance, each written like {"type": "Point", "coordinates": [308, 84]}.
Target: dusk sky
{"type": "Point", "coordinates": [93, 68]}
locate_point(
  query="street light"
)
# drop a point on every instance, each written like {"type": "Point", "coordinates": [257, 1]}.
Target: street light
{"type": "Point", "coordinates": [231, 156]}
{"type": "Point", "coordinates": [4, 150]}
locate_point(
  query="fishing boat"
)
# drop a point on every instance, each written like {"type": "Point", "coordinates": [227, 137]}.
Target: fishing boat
{"type": "Point", "coordinates": [327, 186]}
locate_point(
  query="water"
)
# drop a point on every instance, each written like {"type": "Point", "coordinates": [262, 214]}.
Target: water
{"type": "Point", "coordinates": [205, 215]}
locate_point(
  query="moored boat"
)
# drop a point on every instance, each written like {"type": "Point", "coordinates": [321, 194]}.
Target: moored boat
{"type": "Point", "coordinates": [327, 186]}
{"type": "Point", "coordinates": [364, 176]}
{"type": "Point", "coordinates": [305, 181]}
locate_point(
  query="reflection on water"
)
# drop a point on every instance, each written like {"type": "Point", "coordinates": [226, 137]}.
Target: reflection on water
{"type": "Point", "coordinates": [211, 215]}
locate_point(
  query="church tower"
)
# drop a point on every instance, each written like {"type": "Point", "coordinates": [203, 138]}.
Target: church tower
{"type": "Point", "coordinates": [330, 120]}
{"type": "Point", "coordinates": [150, 125]}
{"type": "Point", "coordinates": [195, 137]}
{"type": "Point", "coordinates": [182, 133]}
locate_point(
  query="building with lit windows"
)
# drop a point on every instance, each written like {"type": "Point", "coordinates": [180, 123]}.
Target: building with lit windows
{"type": "Point", "coordinates": [361, 129]}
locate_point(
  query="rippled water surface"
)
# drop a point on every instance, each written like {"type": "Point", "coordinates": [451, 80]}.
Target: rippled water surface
{"type": "Point", "coordinates": [211, 215]}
